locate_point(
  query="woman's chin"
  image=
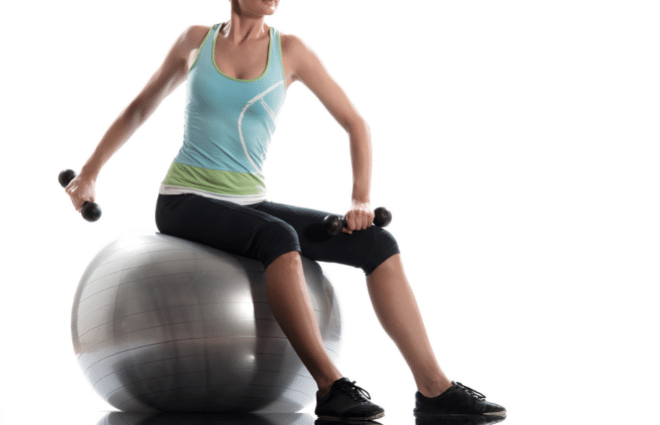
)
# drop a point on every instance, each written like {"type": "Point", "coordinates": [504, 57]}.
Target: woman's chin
{"type": "Point", "coordinates": [271, 6]}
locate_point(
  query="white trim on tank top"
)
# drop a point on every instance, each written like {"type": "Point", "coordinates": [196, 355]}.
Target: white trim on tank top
{"type": "Point", "coordinates": [240, 120]}
{"type": "Point", "coordinates": [166, 189]}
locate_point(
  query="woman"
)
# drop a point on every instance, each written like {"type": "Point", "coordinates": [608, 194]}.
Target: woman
{"type": "Point", "coordinates": [214, 193]}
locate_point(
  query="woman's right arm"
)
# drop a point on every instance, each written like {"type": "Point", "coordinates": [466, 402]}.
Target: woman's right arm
{"type": "Point", "coordinates": [168, 77]}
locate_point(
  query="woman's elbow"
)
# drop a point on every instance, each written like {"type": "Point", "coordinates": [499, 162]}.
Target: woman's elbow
{"type": "Point", "coordinates": [137, 112]}
{"type": "Point", "coordinates": [356, 124]}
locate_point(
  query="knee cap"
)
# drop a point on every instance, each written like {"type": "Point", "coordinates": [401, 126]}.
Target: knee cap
{"type": "Point", "coordinates": [274, 239]}
{"type": "Point", "coordinates": [384, 246]}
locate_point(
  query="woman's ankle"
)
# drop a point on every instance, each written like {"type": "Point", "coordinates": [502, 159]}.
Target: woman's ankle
{"type": "Point", "coordinates": [325, 384]}
{"type": "Point", "coordinates": [434, 389]}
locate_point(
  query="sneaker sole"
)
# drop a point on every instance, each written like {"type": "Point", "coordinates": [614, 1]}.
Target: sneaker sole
{"type": "Point", "coordinates": [365, 419]}
{"type": "Point", "coordinates": [502, 413]}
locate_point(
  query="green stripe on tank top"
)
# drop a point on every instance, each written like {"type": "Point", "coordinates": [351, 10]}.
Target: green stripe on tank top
{"type": "Point", "coordinates": [215, 181]}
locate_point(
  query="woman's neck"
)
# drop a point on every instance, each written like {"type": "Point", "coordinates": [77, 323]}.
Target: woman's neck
{"type": "Point", "coordinates": [240, 29]}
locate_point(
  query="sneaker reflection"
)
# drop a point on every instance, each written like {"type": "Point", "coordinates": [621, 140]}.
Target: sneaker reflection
{"type": "Point", "coordinates": [460, 420]}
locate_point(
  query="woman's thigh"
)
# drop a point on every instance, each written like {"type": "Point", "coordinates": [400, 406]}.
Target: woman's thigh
{"type": "Point", "coordinates": [365, 249]}
{"type": "Point", "coordinates": [230, 227]}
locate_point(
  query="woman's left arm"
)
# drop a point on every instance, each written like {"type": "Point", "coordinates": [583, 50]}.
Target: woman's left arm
{"type": "Point", "coordinates": [305, 66]}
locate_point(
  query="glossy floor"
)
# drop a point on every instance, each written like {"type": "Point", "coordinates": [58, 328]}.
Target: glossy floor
{"type": "Point", "coordinates": [122, 418]}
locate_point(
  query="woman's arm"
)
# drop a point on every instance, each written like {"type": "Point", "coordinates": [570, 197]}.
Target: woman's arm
{"type": "Point", "coordinates": [306, 67]}
{"type": "Point", "coordinates": [172, 72]}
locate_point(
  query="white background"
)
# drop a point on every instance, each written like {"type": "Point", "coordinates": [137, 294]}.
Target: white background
{"type": "Point", "coordinates": [516, 142]}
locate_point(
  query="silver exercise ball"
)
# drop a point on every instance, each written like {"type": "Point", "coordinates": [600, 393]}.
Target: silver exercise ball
{"type": "Point", "coordinates": [162, 323]}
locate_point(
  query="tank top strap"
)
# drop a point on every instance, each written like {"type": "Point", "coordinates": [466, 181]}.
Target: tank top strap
{"type": "Point", "coordinates": [204, 55]}
{"type": "Point", "coordinates": [276, 54]}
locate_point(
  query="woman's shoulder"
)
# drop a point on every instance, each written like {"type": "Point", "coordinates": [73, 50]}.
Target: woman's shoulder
{"type": "Point", "coordinates": [297, 55]}
{"type": "Point", "coordinates": [196, 32]}
{"type": "Point", "coordinates": [292, 45]}
{"type": "Point", "coordinates": [289, 40]}
{"type": "Point", "coordinates": [190, 39]}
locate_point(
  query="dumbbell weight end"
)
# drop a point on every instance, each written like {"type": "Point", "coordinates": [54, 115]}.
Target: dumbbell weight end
{"type": "Point", "coordinates": [90, 210]}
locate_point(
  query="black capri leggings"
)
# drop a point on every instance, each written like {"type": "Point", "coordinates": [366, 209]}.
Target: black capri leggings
{"type": "Point", "coordinates": [266, 230]}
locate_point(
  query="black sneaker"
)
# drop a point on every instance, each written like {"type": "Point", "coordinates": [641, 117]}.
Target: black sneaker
{"type": "Point", "coordinates": [457, 400]}
{"type": "Point", "coordinates": [347, 402]}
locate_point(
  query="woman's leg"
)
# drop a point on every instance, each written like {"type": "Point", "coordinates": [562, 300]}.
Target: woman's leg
{"type": "Point", "coordinates": [292, 308]}
{"type": "Point", "coordinates": [395, 305]}
{"type": "Point", "coordinates": [255, 234]}
{"type": "Point", "coordinates": [375, 251]}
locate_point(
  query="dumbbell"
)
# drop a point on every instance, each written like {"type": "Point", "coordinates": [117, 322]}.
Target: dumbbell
{"type": "Point", "coordinates": [90, 210]}
{"type": "Point", "coordinates": [334, 223]}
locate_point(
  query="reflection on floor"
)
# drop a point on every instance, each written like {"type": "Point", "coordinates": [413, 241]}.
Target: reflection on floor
{"type": "Point", "coordinates": [124, 418]}
{"type": "Point", "coordinates": [461, 420]}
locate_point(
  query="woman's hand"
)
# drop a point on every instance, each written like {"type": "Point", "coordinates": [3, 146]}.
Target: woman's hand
{"type": "Point", "coordinates": [359, 217]}
{"type": "Point", "coordinates": [81, 189]}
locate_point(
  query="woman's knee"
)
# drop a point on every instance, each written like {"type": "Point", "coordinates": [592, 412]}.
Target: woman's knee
{"type": "Point", "coordinates": [287, 261]}
{"type": "Point", "coordinates": [384, 246]}
{"type": "Point", "coordinates": [275, 239]}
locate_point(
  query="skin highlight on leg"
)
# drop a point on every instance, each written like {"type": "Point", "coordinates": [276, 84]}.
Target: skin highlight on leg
{"type": "Point", "coordinates": [291, 306]}
{"type": "Point", "coordinates": [398, 313]}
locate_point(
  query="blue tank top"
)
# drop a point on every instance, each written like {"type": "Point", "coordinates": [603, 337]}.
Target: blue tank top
{"type": "Point", "coordinates": [228, 127]}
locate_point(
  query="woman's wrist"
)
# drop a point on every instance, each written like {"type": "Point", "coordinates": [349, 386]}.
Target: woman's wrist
{"type": "Point", "coordinates": [89, 173]}
{"type": "Point", "coordinates": [361, 203]}
{"type": "Point", "coordinates": [360, 197]}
